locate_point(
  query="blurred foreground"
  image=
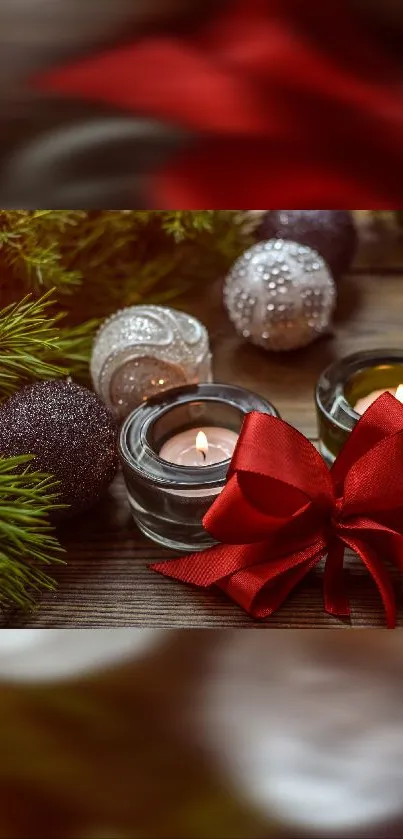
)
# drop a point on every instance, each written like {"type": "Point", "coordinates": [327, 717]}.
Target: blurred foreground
{"type": "Point", "coordinates": [169, 104]}
{"type": "Point", "coordinates": [131, 733]}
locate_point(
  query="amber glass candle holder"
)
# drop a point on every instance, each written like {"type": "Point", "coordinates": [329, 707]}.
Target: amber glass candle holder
{"type": "Point", "coordinates": [343, 384]}
{"type": "Point", "coordinates": [170, 499]}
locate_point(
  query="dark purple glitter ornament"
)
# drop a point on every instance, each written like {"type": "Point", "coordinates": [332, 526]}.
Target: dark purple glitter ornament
{"type": "Point", "coordinates": [332, 233]}
{"type": "Point", "coordinates": [71, 433]}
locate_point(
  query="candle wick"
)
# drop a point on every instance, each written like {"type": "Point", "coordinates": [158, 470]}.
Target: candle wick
{"type": "Point", "coordinates": [203, 454]}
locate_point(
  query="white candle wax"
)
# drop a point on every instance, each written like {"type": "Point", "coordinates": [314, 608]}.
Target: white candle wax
{"type": "Point", "coordinates": [199, 447]}
{"type": "Point", "coordinates": [365, 402]}
{"type": "Point", "coordinates": [218, 444]}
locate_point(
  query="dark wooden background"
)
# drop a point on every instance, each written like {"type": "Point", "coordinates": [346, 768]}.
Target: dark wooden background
{"type": "Point", "coordinates": [106, 581]}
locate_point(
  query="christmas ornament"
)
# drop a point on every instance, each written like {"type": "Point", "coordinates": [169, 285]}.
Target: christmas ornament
{"type": "Point", "coordinates": [282, 511]}
{"type": "Point", "coordinates": [280, 295]}
{"type": "Point", "coordinates": [71, 433]}
{"type": "Point", "coordinates": [331, 233]}
{"type": "Point", "coordinates": [144, 350]}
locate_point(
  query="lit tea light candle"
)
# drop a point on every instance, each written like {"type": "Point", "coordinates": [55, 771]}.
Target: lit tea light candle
{"type": "Point", "coordinates": [365, 402]}
{"type": "Point", "coordinates": [175, 450]}
{"type": "Point", "coordinates": [200, 448]}
{"type": "Point", "coordinates": [348, 387]}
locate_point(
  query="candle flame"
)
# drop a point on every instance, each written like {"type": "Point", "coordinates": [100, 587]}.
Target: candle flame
{"type": "Point", "coordinates": [399, 393]}
{"type": "Point", "coordinates": [202, 443]}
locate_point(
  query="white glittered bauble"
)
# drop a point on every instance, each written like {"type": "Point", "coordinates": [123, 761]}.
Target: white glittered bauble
{"type": "Point", "coordinates": [145, 350]}
{"type": "Point", "coordinates": [280, 295]}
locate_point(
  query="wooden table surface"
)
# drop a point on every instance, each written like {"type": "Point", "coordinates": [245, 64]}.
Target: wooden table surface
{"type": "Point", "coordinates": [106, 581]}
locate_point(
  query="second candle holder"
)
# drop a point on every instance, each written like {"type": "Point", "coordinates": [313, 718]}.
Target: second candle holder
{"type": "Point", "coordinates": [347, 388]}
{"type": "Point", "coordinates": [176, 450]}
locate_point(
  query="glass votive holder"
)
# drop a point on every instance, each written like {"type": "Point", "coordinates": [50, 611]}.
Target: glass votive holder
{"type": "Point", "coordinates": [145, 350]}
{"type": "Point", "coordinates": [347, 388]}
{"type": "Point", "coordinates": [172, 478]}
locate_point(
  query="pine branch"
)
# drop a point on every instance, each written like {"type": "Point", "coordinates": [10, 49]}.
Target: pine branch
{"type": "Point", "coordinates": [73, 348]}
{"type": "Point", "coordinates": [34, 346]}
{"type": "Point", "coordinates": [27, 332]}
{"type": "Point", "coordinates": [130, 257]}
{"type": "Point", "coordinates": [182, 224]}
{"type": "Point", "coordinates": [30, 248]}
{"type": "Point", "coordinates": [27, 544]}
{"type": "Point", "coordinates": [121, 257]}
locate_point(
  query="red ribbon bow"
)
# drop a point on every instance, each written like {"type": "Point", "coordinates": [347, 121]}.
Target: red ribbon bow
{"type": "Point", "coordinates": [282, 510]}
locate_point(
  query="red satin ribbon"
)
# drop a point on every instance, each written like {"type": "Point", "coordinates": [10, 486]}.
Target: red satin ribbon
{"type": "Point", "coordinates": [282, 510]}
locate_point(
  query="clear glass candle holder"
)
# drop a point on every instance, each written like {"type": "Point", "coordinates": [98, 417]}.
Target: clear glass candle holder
{"type": "Point", "coordinates": [342, 385]}
{"type": "Point", "coordinates": [145, 350]}
{"type": "Point", "coordinates": [169, 500]}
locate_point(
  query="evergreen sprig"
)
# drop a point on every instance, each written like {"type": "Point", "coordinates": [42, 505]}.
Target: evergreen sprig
{"type": "Point", "coordinates": [29, 248]}
{"type": "Point", "coordinates": [130, 257]}
{"type": "Point", "coordinates": [73, 348]}
{"type": "Point", "coordinates": [186, 223]}
{"type": "Point", "coordinates": [119, 257]}
{"type": "Point", "coordinates": [34, 346]}
{"type": "Point", "coordinates": [27, 543]}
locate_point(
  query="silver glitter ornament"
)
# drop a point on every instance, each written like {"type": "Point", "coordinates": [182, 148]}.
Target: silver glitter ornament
{"type": "Point", "coordinates": [280, 295]}
{"type": "Point", "coordinates": [144, 350]}
{"type": "Point", "coordinates": [72, 434]}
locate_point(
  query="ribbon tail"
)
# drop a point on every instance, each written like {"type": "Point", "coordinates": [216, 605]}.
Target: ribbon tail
{"type": "Point", "coordinates": [261, 590]}
{"type": "Point", "coordinates": [379, 575]}
{"type": "Point", "coordinates": [259, 585]}
{"type": "Point", "coordinates": [385, 540]}
{"type": "Point", "coordinates": [335, 589]}
{"type": "Point", "coordinates": [212, 565]}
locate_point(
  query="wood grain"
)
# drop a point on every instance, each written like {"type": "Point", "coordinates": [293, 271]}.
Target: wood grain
{"type": "Point", "coordinates": [107, 582]}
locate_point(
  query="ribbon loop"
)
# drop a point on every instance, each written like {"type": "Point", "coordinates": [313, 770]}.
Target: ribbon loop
{"type": "Point", "coordinates": [282, 511]}
{"type": "Point", "coordinates": [269, 450]}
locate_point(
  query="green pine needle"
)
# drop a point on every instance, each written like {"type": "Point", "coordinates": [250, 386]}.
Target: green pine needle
{"type": "Point", "coordinates": [103, 260]}
{"type": "Point", "coordinates": [30, 249]}
{"type": "Point", "coordinates": [73, 348]}
{"type": "Point", "coordinates": [27, 543]}
{"type": "Point", "coordinates": [34, 346]}
{"type": "Point", "coordinates": [184, 223]}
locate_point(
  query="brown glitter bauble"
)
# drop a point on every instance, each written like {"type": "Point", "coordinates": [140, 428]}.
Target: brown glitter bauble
{"type": "Point", "coordinates": [71, 433]}
{"type": "Point", "coordinates": [331, 233]}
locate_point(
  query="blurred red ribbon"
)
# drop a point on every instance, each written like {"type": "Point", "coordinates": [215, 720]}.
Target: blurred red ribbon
{"type": "Point", "coordinates": [288, 104]}
{"type": "Point", "coordinates": [282, 510]}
